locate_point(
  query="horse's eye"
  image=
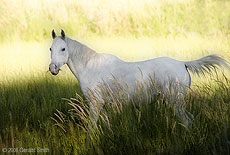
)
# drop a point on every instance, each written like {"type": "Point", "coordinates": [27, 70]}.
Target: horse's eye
{"type": "Point", "coordinates": [63, 49]}
{"type": "Point", "coordinates": [50, 49]}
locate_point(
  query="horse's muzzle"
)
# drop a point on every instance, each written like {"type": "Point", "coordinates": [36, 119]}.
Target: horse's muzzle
{"type": "Point", "coordinates": [53, 69]}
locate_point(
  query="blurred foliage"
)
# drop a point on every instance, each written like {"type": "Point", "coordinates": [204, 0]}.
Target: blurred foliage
{"type": "Point", "coordinates": [34, 20]}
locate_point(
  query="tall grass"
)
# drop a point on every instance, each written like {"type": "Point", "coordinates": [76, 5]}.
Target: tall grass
{"type": "Point", "coordinates": [145, 124]}
{"type": "Point", "coordinates": [148, 124]}
{"type": "Point", "coordinates": [26, 107]}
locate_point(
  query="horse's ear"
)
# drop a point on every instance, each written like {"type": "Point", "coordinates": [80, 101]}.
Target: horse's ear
{"type": "Point", "coordinates": [53, 34]}
{"type": "Point", "coordinates": [62, 34]}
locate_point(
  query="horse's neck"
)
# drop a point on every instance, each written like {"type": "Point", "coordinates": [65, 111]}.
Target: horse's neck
{"type": "Point", "coordinates": [79, 57]}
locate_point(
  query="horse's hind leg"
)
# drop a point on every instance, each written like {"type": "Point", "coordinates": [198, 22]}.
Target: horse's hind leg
{"type": "Point", "coordinates": [185, 116]}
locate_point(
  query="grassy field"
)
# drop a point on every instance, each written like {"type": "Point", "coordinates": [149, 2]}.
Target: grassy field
{"type": "Point", "coordinates": [33, 20]}
{"type": "Point", "coordinates": [132, 30]}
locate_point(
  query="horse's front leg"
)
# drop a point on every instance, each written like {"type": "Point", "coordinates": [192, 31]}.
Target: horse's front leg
{"type": "Point", "coordinates": [94, 111]}
{"type": "Point", "coordinates": [95, 105]}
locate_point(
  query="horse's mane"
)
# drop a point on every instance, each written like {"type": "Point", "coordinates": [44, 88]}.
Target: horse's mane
{"type": "Point", "coordinates": [82, 52]}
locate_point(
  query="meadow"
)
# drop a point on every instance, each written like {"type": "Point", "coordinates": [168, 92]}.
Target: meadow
{"type": "Point", "coordinates": [38, 110]}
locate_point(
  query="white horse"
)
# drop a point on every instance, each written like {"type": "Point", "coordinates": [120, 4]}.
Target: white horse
{"type": "Point", "coordinates": [91, 68]}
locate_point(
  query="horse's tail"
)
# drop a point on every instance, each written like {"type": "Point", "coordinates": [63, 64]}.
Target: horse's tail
{"type": "Point", "coordinates": [206, 64]}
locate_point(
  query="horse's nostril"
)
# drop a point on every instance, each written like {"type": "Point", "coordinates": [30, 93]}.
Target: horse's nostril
{"type": "Point", "coordinates": [52, 67]}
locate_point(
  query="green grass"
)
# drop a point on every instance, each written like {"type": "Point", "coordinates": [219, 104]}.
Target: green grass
{"type": "Point", "coordinates": [148, 124]}
{"type": "Point", "coordinates": [27, 107]}
{"type": "Point", "coordinates": [144, 124]}
{"type": "Point", "coordinates": [33, 100]}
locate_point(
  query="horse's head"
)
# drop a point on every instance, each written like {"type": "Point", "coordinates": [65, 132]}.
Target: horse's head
{"type": "Point", "coordinates": [59, 52]}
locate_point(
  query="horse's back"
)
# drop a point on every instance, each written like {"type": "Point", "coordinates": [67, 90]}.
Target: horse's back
{"type": "Point", "coordinates": [162, 69]}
